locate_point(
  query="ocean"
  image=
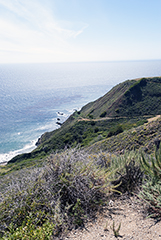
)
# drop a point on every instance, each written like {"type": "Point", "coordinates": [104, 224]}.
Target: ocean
{"type": "Point", "coordinates": [33, 96]}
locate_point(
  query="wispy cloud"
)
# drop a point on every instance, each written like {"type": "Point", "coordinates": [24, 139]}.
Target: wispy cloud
{"type": "Point", "coordinates": [30, 27]}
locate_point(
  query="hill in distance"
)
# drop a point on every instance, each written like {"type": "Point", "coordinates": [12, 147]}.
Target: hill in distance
{"type": "Point", "coordinates": [128, 99]}
{"type": "Point", "coordinates": [124, 107]}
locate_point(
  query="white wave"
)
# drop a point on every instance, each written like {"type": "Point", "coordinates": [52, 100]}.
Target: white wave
{"type": "Point", "coordinates": [48, 127]}
{"type": "Point", "coordinates": [26, 149]}
{"type": "Point", "coordinates": [73, 110]}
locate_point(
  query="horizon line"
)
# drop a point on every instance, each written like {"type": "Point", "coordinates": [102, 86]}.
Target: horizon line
{"type": "Point", "coordinates": [94, 61]}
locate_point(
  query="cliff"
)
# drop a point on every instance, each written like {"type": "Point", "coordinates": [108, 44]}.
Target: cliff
{"type": "Point", "coordinates": [125, 106]}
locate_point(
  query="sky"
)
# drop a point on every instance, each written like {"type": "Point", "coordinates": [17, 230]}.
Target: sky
{"type": "Point", "coordinates": [79, 30]}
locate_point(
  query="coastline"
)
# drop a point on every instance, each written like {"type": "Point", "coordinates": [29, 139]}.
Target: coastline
{"type": "Point", "coordinates": [5, 157]}
{"type": "Point", "coordinates": [3, 163]}
{"type": "Point", "coordinates": [43, 106]}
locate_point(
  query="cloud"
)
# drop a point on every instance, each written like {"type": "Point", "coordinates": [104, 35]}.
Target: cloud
{"type": "Point", "coordinates": [30, 27]}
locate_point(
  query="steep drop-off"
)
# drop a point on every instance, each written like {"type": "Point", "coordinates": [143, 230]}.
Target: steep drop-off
{"type": "Point", "coordinates": [125, 106]}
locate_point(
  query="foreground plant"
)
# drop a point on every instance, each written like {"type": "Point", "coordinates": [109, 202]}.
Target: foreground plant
{"type": "Point", "coordinates": [116, 231]}
{"type": "Point", "coordinates": [152, 166]}
{"type": "Point", "coordinates": [28, 231]}
{"type": "Point", "coordinates": [151, 190]}
{"type": "Point", "coordinates": [61, 195]}
{"type": "Point", "coordinates": [126, 169]}
{"type": "Point", "coordinates": [151, 194]}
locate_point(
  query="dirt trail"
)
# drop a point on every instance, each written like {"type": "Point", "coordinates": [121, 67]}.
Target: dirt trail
{"type": "Point", "coordinates": [95, 120]}
{"type": "Point", "coordinates": [153, 118]}
{"type": "Point", "coordinates": [107, 118]}
{"type": "Point", "coordinates": [134, 223]}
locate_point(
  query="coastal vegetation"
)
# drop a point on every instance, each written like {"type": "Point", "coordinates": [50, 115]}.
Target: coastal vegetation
{"type": "Point", "coordinates": [127, 105]}
{"type": "Point", "coordinates": [70, 188]}
{"type": "Point", "coordinates": [110, 147]}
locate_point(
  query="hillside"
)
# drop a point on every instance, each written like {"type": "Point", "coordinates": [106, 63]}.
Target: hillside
{"type": "Point", "coordinates": [140, 138]}
{"type": "Point", "coordinates": [130, 98]}
{"type": "Point", "coordinates": [125, 106]}
{"type": "Point", "coordinates": [59, 192]}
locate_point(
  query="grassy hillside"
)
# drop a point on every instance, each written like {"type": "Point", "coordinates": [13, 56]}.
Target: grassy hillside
{"type": "Point", "coordinates": [108, 102]}
{"type": "Point", "coordinates": [125, 106]}
{"type": "Point", "coordinates": [82, 133]}
{"type": "Point", "coordinates": [130, 98]}
{"type": "Point", "coordinates": [136, 135]}
{"type": "Point", "coordinates": [140, 138]}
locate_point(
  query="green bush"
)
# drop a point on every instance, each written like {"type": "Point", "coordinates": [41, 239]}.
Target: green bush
{"type": "Point", "coordinates": [127, 170]}
{"type": "Point", "coordinates": [103, 114]}
{"type": "Point", "coordinates": [28, 231]}
{"type": "Point", "coordinates": [151, 194]}
{"type": "Point", "coordinates": [118, 129]}
{"type": "Point", "coordinates": [90, 116]}
{"type": "Point", "coordinates": [151, 191]}
{"type": "Point", "coordinates": [152, 166]}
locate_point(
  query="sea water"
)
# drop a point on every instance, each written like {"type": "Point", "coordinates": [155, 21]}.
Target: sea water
{"type": "Point", "coordinates": [34, 96]}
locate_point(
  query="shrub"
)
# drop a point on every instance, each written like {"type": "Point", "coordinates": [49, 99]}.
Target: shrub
{"type": "Point", "coordinates": [28, 231]}
{"type": "Point", "coordinates": [152, 166]}
{"type": "Point", "coordinates": [103, 114]}
{"type": "Point", "coordinates": [62, 194]}
{"type": "Point", "coordinates": [118, 129]}
{"type": "Point", "coordinates": [132, 178]}
{"type": "Point", "coordinates": [151, 194]}
{"type": "Point", "coordinates": [96, 130]}
{"type": "Point", "coordinates": [90, 116]}
{"type": "Point", "coordinates": [151, 191]}
{"type": "Point", "coordinates": [128, 172]}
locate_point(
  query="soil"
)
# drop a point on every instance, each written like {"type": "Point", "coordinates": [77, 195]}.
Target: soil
{"type": "Point", "coordinates": [105, 118]}
{"type": "Point", "coordinates": [153, 119]}
{"type": "Point", "coordinates": [131, 213]}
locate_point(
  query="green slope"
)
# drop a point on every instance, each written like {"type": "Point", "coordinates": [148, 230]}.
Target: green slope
{"type": "Point", "coordinates": [108, 103]}
{"type": "Point", "coordinates": [124, 106]}
{"type": "Point", "coordinates": [140, 138]}
{"type": "Point", "coordinates": [130, 98]}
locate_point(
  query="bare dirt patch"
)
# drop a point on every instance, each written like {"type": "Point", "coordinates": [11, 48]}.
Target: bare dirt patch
{"type": "Point", "coordinates": [153, 118]}
{"type": "Point", "coordinates": [134, 223]}
{"type": "Point", "coordinates": [94, 119]}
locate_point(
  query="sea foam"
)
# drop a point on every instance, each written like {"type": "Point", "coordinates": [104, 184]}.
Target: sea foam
{"type": "Point", "coordinates": [27, 148]}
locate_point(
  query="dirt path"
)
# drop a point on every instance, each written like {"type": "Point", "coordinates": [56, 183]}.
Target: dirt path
{"type": "Point", "coordinates": [134, 223]}
{"type": "Point", "coordinates": [153, 118]}
{"type": "Point", "coordinates": [95, 120]}
{"type": "Point", "coordinates": [107, 118]}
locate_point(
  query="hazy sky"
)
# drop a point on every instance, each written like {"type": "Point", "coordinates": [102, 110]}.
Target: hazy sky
{"type": "Point", "coordinates": [79, 30]}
